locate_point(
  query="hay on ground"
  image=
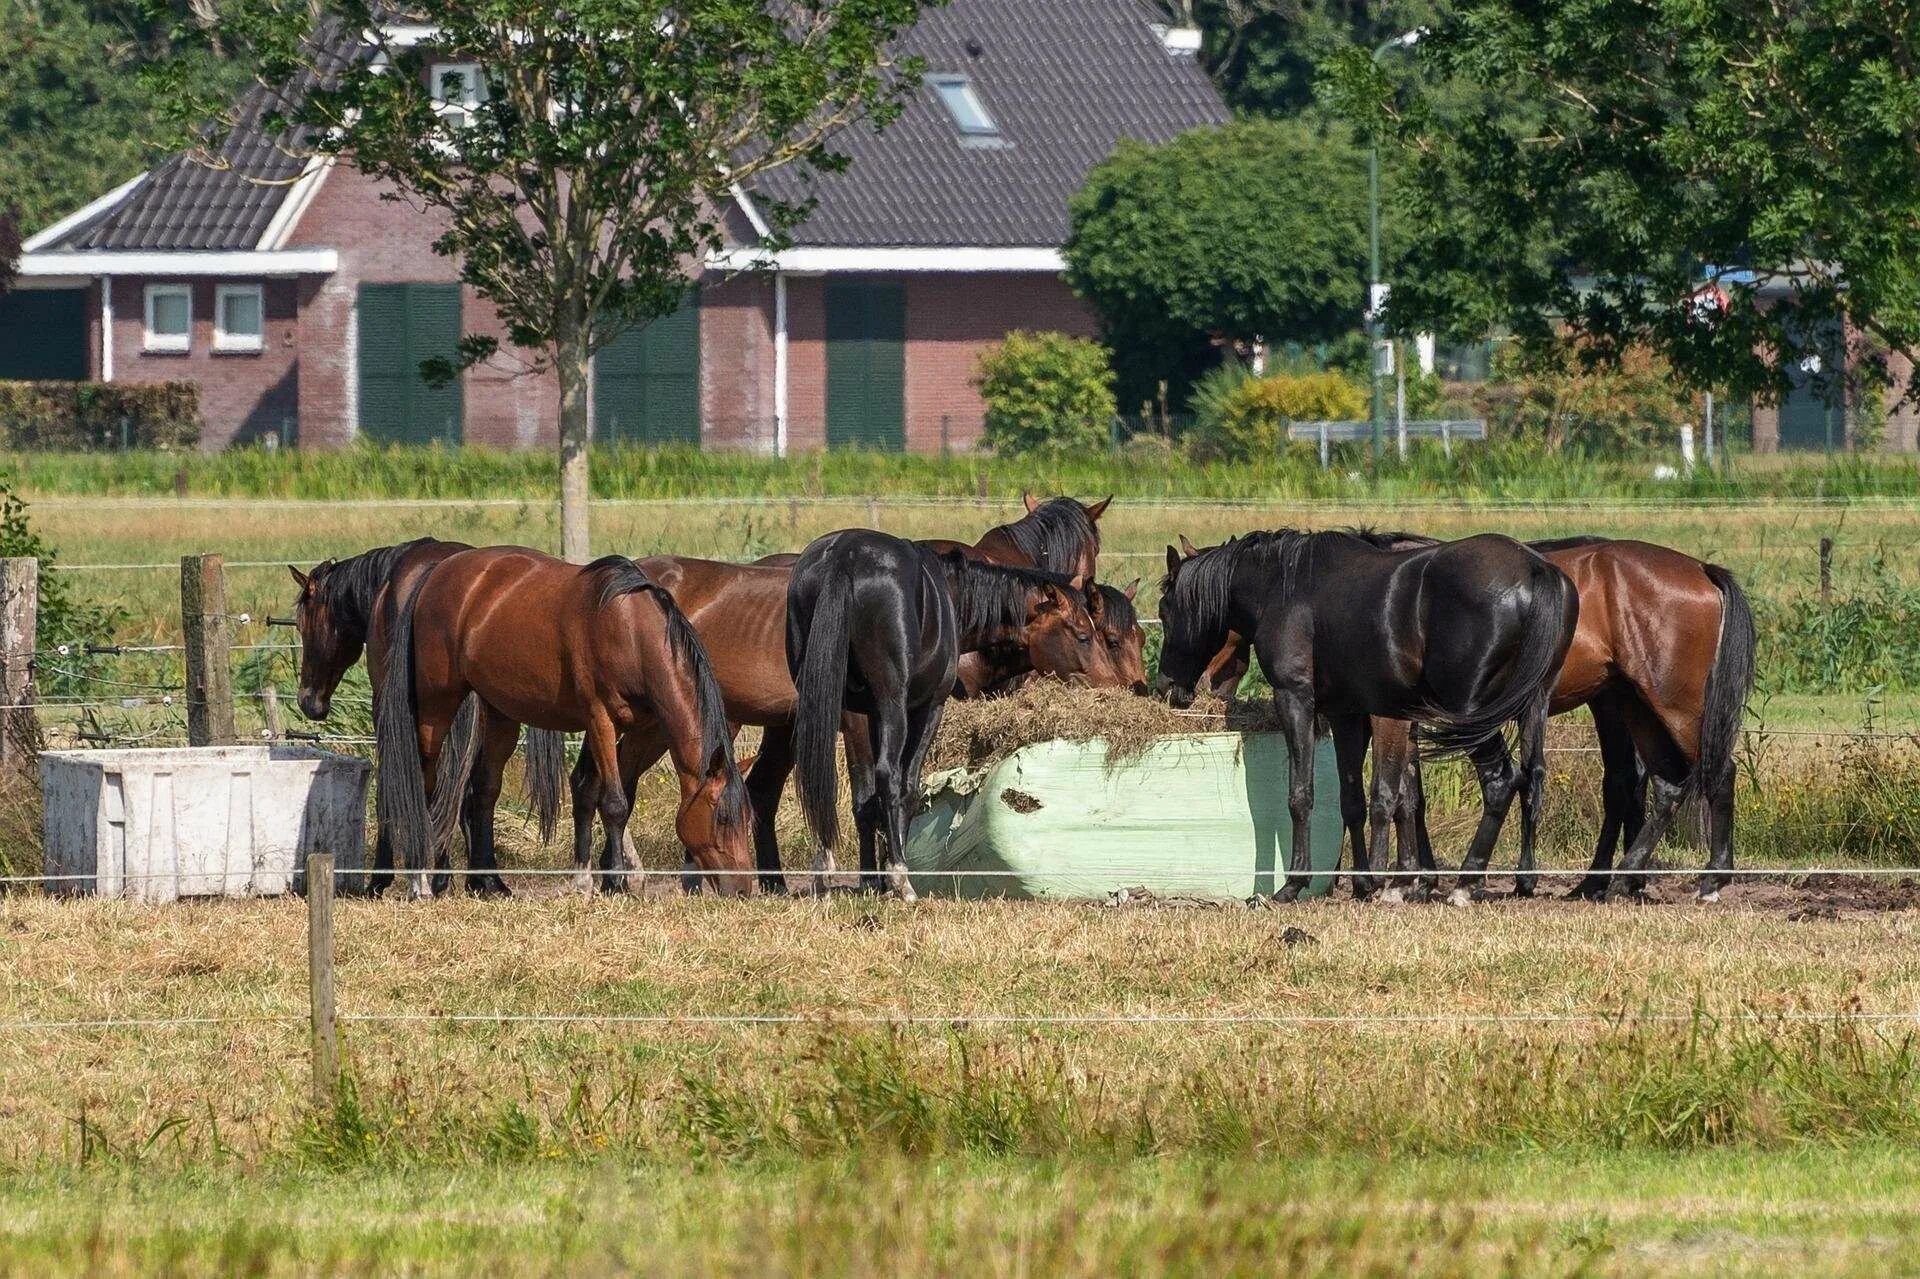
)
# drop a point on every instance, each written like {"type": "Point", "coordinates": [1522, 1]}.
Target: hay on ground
{"type": "Point", "coordinates": [977, 733]}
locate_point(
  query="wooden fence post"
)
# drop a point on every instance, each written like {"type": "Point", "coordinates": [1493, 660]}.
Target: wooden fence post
{"type": "Point", "coordinates": [209, 642]}
{"type": "Point", "coordinates": [326, 1043]}
{"type": "Point", "coordinates": [270, 710]}
{"type": "Point", "coordinates": [19, 637]}
{"type": "Point", "coordinates": [1826, 572]}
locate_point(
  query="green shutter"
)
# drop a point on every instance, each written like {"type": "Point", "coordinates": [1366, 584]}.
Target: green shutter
{"type": "Point", "coordinates": [866, 366]}
{"type": "Point", "coordinates": [400, 326]}
{"type": "Point", "coordinates": [43, 335]}
{"type": "Point", "coordinates": [646, 382]}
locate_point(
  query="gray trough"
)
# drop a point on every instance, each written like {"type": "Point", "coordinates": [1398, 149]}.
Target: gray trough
{"type": "Point", "coordinates": [199, 821]}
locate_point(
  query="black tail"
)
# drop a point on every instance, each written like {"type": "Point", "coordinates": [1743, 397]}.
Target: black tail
{"type": "Point", "coordinates": [822, 689]}
{"type": "Point", "coordinates": [403, 785]}
{"type": "Point", "coordinates": [623, 577]}
{"type": "Point", "coordinates": [546, 766]}
{"type": "Point", "coordinates": [1728, 684]}
{"type": "Point", "coordinates": [1544, 634]}
{"type": "Point", "coordinates": [451, 777]}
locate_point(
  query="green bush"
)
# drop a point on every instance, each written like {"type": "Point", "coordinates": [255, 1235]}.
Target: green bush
{"type": "Point", "coordinates": [1239, 416]}
{"type": "Point", "coordinates": [1047, 392]}
{"type": "Point", "coordinates": [1634, 405]}
{"type": "Point", "coordinates": [93, 416]}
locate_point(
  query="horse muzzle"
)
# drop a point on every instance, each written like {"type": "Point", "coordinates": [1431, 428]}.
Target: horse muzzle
{"type": "Point", "coordinates": [315, 704]}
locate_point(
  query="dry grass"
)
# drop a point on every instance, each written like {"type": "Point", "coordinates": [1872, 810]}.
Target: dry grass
{"type": "Point", "coordinates": [976, 733]}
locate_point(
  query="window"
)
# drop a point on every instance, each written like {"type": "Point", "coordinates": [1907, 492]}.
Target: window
{"type": "Point", "coordinates": [238, 318]}
{"type": "Point", "coordinates": [964, 105]}
{"type": "Point", "coordinates": [169, 317]}
{"type": "Point", "coordinates": [458, 91]}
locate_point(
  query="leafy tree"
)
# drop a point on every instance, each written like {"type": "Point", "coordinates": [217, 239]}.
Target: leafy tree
{"type": "Point", "coordinates": [1759, 148]}
{"type": "Point", "coordinates": [1264, 54]}
{"type": "Point", "coordinates": [1047, 392]}
{"type": "Point", "coordinates": [592, 175]}
{"type": "Point", "coordinates": [1253, 231]}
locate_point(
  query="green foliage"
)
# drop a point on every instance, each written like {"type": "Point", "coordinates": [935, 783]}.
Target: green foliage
{"type": "Point", "coordinates": [1768, 146]}
{"type": "Point", "coordinates": [1255, 230]}
{"type": "Point", "coordinates": [1046, 392]}
{"type": "Point", "coordinates": [84, 416]}
{"type": "Point", "coordinates": [1262, 53]}
{"type": "Point", "coordinates": [1866, 642]}
{"type": "Point", "coordinates": [64, 618]}
{"type": "Point", "coordinates": [9, 248]}
{"type": "Point", "coordinates": [1238, 416]}
{"type": "Point", "coordinates": [1562, 401]}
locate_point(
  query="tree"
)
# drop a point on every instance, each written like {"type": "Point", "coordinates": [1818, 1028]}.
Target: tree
{"type": "Point", "coordinates": [1046, 393]}
{"type": "Point", "coordinates": [1264, 54]}
{"type": "Point", "coordinates": [9, 248]}
{"type": "Point", "coordinates": [588, 172]}
{"type": "Point", "coordinates": [1767, 153]}
{"type": "Point", "coordinates": [1253, 231]}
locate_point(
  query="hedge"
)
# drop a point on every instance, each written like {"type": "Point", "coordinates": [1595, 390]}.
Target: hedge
{"type": "Point", "coordinates": [89, 417]}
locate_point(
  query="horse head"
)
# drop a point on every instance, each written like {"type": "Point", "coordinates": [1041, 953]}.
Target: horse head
{"type": "Point", "coordinates": [717, 834]}
{"type": "Point", "coordinates": [1118, 624]}
{"type": "Point", "coordinates": [1061, 638]}
{"type": "Point", "coordinates": [328, 648]}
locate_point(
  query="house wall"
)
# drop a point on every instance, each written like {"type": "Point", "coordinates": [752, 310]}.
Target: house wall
{"type": "Point", "coordinates": [383, 242]}
{"type": "Point", "coordinates": [1902, 433]}
{"type": "Point", "coordinates": [244, 395]}
{"type": "Point", "coordinates": [951, 319]}
{"type": "Point", "coordinates": [737, 364]}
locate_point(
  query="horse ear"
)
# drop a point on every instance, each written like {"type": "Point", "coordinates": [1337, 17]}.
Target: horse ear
{"type": "Point", "coordinates": [1051, 600]}
{"type": "Point", "coordinates": [1033, 503]}
{"type": "Point", "coordinates": [1078, 582]}
{"type": "Point", "coordinates": [301, 578]}
{"type": "Point", "coordinates": [1187, 548]}
{"type": "Point", "coordinates": [1099, 508]}
{"type": "Point", "coordinates": [1173, 561]}
{"type": "Point", "coordinates": [1133, 588]}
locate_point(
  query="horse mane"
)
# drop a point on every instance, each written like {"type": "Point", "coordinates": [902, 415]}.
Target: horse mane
{"type": "Point", "coordinates": [1389, 539]}
{"type": "Point", "coordinates": [992, 597]}
{"type": "Point", "coordinates": [1204, 585]}
{"type": "Point", "coordinates": [1052, 533]}
{"type": "Point", "coordinates": [347, 588]}
{"type": "Point", "coordinates": [1121, 610]}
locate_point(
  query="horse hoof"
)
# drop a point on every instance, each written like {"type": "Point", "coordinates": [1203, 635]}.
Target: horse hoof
{"type": "Point", "coordinates": [1587, 891]}
{"type": "Point", "coordinates": [1290, 893]}
{"type": "Point", "coordinates": [1393, 896]}
{"type": "Point", "coordinates": [1708, 897]}
{"type": "Point", "coordinates": [489, 886]}
{"type": "Point", "coordinates": [1460, 897]}
{"type": "Point", "coordinates": [1523, 888]}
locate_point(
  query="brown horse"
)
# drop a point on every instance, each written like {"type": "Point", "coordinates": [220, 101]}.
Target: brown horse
{"type": "Point", "coordinates": [1663, 656]}
{"type": "Point", "coordinates": [1118, 622]}
{"type": "Point", "coordinates": [740, 612]}
{"type": "Point", "coordinates": [602, 650]}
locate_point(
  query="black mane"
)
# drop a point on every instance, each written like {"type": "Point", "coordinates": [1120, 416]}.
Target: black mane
{"type": "Point", "coordinates": [993, 597]}
{"type": "Point", "coordinates": [1052, 534]}
{"type": "Point", "coordinates": [1118, 608]}
{"type": "Point", "coordinates": [347, 588]}
{"type": "Point", "coordinates": [1203, 588]}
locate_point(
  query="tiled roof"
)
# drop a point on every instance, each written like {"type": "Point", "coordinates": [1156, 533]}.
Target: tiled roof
{"type": "Point", "coordinates": [1063, 79]}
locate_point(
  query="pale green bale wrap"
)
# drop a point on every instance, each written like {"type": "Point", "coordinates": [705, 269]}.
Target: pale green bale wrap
{"type": "Point", "coordinates": [1202, 815]}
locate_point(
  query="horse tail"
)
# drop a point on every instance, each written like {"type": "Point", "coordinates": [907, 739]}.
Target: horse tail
{"type": "Point", "coordinates": [450, 779]}
{"type": "Point", "coordinates": [822, 686]}
{"type": "Point", "coordinates": [546, 766]}
{"type": "Point", "coordinates": [1728, 684]}
{"type": "Point", "coordinates": [1544, 635]}
{"type": "Point", "coordinates": [402, 806]}
{"type": "Point", "coordinates": [621, 576]}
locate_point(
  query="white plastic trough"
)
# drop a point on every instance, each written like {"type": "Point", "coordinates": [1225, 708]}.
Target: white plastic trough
{"type": "Point", "coordinates": [206, 821]}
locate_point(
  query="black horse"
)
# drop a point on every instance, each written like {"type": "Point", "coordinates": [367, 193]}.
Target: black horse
{"type": "Point", "coordinates": [1464, 638]}
{"type": "Point", "coordinates": [871, 630]}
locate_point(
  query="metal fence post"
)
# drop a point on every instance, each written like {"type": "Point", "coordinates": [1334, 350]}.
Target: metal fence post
{"type": "Point", "coordinates": [326, 1042]}
{"type": "Point", "coordinates": [1326, 450]}
{"type": "Point", "coordinates": [19, 637]}
{"type": "Point", "coordinates": [209, 643]}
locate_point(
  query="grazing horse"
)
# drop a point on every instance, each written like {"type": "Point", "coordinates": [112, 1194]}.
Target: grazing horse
{"type": "Point", "coordinates": [1118, 622]}
{"type": "Point", "coordinates": [338, 617]}
{"type": "Point", "coordinates": [600, 649]}
{"type": "Point", "coordinates": [1464, 637]}
{"type": "Point", "coordinates": [872, 629]}
{"type": "Point", "coordinates": [740, 612]}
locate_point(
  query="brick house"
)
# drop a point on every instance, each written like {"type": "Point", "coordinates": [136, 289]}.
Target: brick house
{"type": "Point", "coordinates": [303, 306]}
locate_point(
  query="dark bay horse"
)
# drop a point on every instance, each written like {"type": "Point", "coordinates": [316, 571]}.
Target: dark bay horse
{"type": "Point", "coordinates": [338, 616]}
{"type": "Point", "coordinates": [1464, 637]}
{"type": "Point", "coordinates": [740, 612]}
{"type": "Point", "coordinates": [1118, 622]}
{"type": "Point", "coordinates": [600, 649]}
{"type": "Point", "coordinates": [1664, 658]}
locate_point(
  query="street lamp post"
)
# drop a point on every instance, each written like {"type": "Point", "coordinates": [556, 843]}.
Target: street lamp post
{"type": "Point", "coordinates": [1405, 40]}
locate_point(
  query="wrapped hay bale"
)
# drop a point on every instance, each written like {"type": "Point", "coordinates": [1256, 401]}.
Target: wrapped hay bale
{"type": "Point", "coordinates": [1067, 792]}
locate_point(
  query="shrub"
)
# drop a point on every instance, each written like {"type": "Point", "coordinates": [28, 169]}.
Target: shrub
{"type": "Point", "coordinates": [1047, 392]}
{"type": "Point", "coordinates": [1239, 416]}
{"type": "Point", "coordinates": [1557, 399]}
{"type": "Point", "coordinates": [95, 416]}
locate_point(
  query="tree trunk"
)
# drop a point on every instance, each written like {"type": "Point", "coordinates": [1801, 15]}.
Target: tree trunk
{"type": "Point", "coordinates": [575, 440]}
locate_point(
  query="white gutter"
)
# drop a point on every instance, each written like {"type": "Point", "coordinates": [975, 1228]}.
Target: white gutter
{"type": "Point", "coordinates": [295, 203]}
{"type": "Point", "coordinates": [814, 261]}
{"type": "Point", "coordinates": [250, 263]}
{"type": "Point", "coordinates": [53, 233]}
{"type": "Point", "coordinates": [106, 328]}
{"type": "Point", "coordinates": [780, 363]}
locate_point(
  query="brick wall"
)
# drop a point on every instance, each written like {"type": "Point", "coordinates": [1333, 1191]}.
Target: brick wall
{"type": "Point", "coordinates": [244, 395]}
{"type": "Point", "coordinates": [736, 364]}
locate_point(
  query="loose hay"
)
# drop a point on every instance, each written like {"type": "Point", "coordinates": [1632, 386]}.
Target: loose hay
{"type": "Point", "coordinates": [977, 733]}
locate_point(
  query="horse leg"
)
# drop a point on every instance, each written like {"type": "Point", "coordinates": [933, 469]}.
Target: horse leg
{"type": "Point", "coordinates": [603, 743]}
{"type": "Point", "coordinates": [1350, 736]}
{"type": "Point", "coordinates": [922, 723]}
{"type": "Point", "coordinates": [858, 735]}
{"type": "Point", "coordinates": [1667, 795]}
{"type": "Point", "coordinates": [584, 786]}
{"type": "Point", "coordinates": [638, 750]}
{"type": "Point", "coordinates": [1531, 746]}
{"type": "Point", "coordinates": [894, 739]}
{"type": "Point", "coordinates": [380, 878]}
{"type": "Point", "coordinates": [1719, 801]}
{"type": "Point", "coordinates": [1391, 804]}
{"type": "Point", "coordinates": [765, 781]}
{"type": "Point", "coordinates": [1296, 721]}
{"type": "Point", "coordinates": [499, 736]}
{"type": "Point", "coordinates": [1620, 801]}
{"type": "Point", "coordinates": [1495, 768]}
{"type": "Point", "coordinates": [433, 721]}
